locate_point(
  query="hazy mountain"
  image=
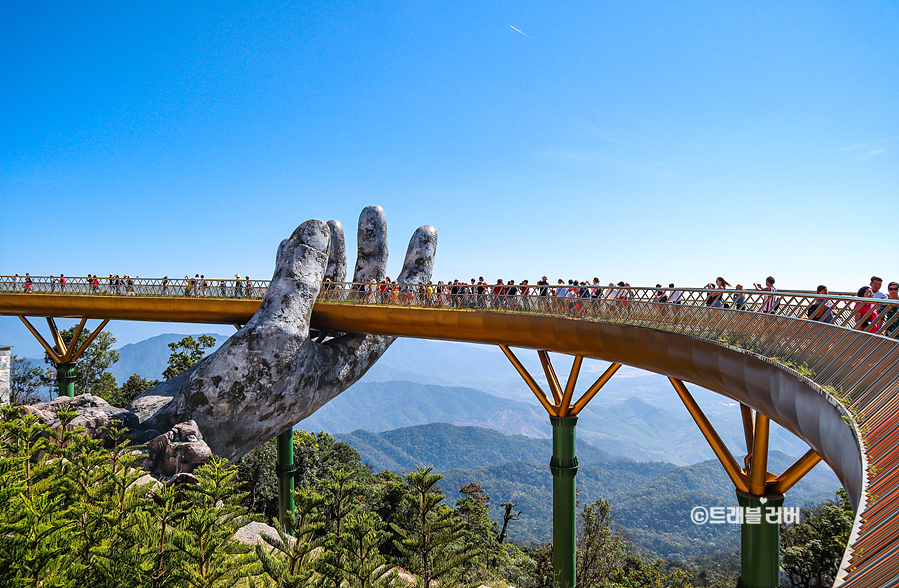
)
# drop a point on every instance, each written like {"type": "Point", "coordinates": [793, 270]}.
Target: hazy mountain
{"type": "Point", "coordinates": [444, 447]}
{"type": "Point", "coordinates": [652, 500]}
{"type": "Point", "coordinates": [637, 414]}
{"type": "Point", "coordinates": [150, 357]}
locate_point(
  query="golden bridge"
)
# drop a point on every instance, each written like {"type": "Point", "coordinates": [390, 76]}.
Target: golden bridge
{"type": "Point", "coordinates": [833, 384]}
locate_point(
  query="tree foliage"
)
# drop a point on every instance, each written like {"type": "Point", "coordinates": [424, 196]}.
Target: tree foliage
{"type": "Point", "coordinates": [25, 381]}
{"type": "Point", "coordinates": [811, 550]}
{"type": "Point", "coordinates": [185, 353]}
{"type": "Point", "coordinates": [74, 514]}
{"type": "Point", "coordinates": [430, 545]}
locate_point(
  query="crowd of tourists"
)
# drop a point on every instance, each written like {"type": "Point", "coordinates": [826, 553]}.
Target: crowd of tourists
{"type": "Point", "coordinates": [126, 285]}
{"type": "Point", "coordinates": [569, 296]}
{"type": "Point", "coordinates": [572, 297]}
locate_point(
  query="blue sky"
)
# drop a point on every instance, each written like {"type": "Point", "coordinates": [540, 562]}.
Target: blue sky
{"type": "Point", "coordinates": [646, 142]}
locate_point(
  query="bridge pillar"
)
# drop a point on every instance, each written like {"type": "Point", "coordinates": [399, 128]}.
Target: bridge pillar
{"type": "Point", "coordinates": [564, 469]}
{"type": "Point", "coordinates": [760, 541]}
{"type": "Point", "coordinates": [65, 377]}
{"type": "Point", "coordinates": [285, 471]}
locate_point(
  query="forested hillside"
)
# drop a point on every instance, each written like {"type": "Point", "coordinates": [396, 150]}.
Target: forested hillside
{"type": "Point", "coordinates": [652, 500]}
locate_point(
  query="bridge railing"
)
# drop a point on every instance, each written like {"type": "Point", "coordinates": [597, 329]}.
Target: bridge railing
{"type": "Point", "coordinates": [683, 306]}
{"type": "Point", "coordinates": [694, 306]}
{"type": "Point", "coordinates": [183, 287]}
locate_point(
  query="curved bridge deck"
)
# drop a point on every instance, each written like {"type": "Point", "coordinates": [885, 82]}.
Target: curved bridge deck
{"type": "Point", "coordinates": [831, 384]}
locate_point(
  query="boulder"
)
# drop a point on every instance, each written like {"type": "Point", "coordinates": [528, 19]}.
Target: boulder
{"type": "Point", "coordinates": [179, 450]}
{"type": "Point", "coordinates": [94, 414]}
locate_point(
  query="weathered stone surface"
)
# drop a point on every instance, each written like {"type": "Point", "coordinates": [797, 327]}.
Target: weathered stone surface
{"type": "Point", "coordinates": [270, 375]}
{"type": "Point", "coordinates": [251, 533]}
{"type": "Point", "coordinates": [336, 270]}
{"type": "Point", "coordinates": [180, 449]}
{"type": "Point", "coordinates": [94, 413]}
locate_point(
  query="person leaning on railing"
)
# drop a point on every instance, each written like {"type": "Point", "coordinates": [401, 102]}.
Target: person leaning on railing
{"type": "Point", "coordinates": [822, 308]}
{"type": "Point", "coordinates": [865, 313]}
{"type": "Point", "coordinates": [770, 301]}
{"type": "Point", "coordinates": [890, 321]}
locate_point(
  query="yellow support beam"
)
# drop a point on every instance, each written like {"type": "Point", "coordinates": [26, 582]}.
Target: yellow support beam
{"type": "Point", "coordinates": [758, 469]}
{"type": "Point", "coordinates": [748, 425]}
{"type": "Point", "coordinates": [60, 344]}
{"type": "Point", "coordinates": [529, 380]}
{"type": "Point", "coordinates": [794, 473]}
{"type": "Point", "coordinates": [74, 344]}
{"type": "Point", "coordinates": [592, 390]}
{"type": "Point", "coordinates": [90, 340]}
{"type": "Point", "coordinates": [727, 460]}
{"type": "Point", "coordinates": [551, 378]}
{"type": "Point", "coordinates": [565, 406]}
{"type": "Point", "coordinates": [44, 344]}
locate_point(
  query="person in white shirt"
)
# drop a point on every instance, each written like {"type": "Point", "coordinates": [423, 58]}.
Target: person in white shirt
{"type": "Point", "coordinates": [770, 301]}
{"type": "Point", "coordinates": [674, 297]}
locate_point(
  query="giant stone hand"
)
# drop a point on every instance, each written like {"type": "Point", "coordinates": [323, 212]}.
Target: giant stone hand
{"type": "Point", "coordinates": [271, 374]}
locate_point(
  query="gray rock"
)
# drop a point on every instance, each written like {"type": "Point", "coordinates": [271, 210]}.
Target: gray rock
{"type": "Point", "coordinates": [94, 413]}
{"type": "Point", "coordinates": [251, 533]}
{"type": "Point", "coordinates": [181, 449]}
{"type": "Point", "coordinates": [336, 270]}
{"type": "Point", "coordinates": [270, 375]}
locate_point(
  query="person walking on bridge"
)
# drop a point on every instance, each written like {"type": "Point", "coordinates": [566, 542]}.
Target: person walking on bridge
{"type": "Point", "coordinates": [865, 313]}
{"type": "Point", "coordinates": [820, 309]}
{"type": "Point", "coordinates": [771, 301]}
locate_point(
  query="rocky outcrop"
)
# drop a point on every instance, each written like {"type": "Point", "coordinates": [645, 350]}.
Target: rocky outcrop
{"type": "Point", "coordinates": [180, 449]}
{"type": "Point", "coordinates": [94, 414]}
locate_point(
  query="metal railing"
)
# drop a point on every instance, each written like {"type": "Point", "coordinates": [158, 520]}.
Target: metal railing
{"type": "Point", "coordinates": [880, 316]}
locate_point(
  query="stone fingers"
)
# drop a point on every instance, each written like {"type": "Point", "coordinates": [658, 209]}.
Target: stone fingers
{"type": "Point", "coordinates": [336, 271]}
{"type": "Point", "coordinates": [301, 264]}
{"type": "Point", "coordinates": [419, 263]}
{"type": "Point", "coordinates": [371, 260]}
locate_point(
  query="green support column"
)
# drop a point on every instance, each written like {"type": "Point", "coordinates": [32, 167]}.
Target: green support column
{"type": "Point", "coordinates": [760, 543]}
{"type": "Point", "coordinates": [564, 469]}
{"type": "Point", "coordinates": [65, 377]}
{"type": "Point", "coordinates": [285, 472]}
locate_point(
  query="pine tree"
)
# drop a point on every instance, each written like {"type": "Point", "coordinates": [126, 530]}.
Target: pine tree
{"type": "Point", "coordinates": [362, 564]}
{"type": "Point", "coordinates": [431, 545]}
{"type": "Point", "coordinates": [289, 561]}
{"type": "Point", "coordinates": [118, 507]}
{"type": "Point", "coordinates": [480, 531]}
{"type": "Point", "coordinates": [36, 526]}
{"type": "Point", "coordinates": [212, 558]}
{"type": "Point", "coordinates": [158, 559]}
{"type": "Point", "coordinates": [341, 497]}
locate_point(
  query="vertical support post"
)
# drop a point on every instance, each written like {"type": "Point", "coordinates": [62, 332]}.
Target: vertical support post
{"type": "Point", "coordinates": [760, 541]}
{"type": "Point", "coordinates": [65, 377]}
{"type": "Point", "coordinates": [285, 471]}
{"type": "Point", "coordinates": [564, 469]}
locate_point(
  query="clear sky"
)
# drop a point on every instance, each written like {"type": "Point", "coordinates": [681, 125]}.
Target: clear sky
{"type": "Point", "coordinates": [638, 141]}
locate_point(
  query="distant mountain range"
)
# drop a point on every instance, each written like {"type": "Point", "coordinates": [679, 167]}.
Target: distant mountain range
{"type": "Point", "coordinates": [632, 428]}
{"type": "Point", "coordinates": [652, 500]}
{"type": "Point", "coordinates": [636, 415]}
